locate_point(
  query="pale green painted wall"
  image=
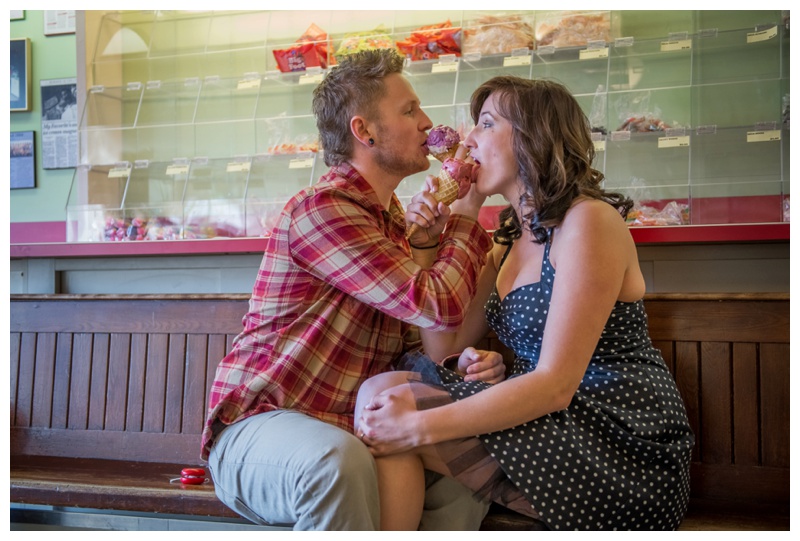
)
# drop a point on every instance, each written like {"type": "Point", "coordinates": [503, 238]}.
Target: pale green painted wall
{"type": "Point", "coordinates": [52, 57]}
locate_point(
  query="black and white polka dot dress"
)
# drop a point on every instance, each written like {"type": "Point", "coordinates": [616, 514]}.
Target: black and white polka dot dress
{"type": "Point", "coordinates": [618, 457]}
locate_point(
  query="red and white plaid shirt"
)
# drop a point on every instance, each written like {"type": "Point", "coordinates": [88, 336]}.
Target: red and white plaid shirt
{"type": "Point", "coordinates": [333, 299]}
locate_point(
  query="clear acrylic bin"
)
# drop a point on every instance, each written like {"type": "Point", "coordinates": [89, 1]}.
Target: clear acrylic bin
{"type": "Point", "coordinates": [274, 179]}
{"type": "Point", "coordinates": [214, 201]}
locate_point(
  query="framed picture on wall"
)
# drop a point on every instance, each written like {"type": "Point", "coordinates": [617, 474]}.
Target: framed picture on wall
{"type": "Point", "coordinates": [20, 74]}
{"type": "Point", "coordinates": [23, 160]}
{"type": "Point", "coordinates": [59, 147]}
{"type": "Point", "coordinates": [60, 21]}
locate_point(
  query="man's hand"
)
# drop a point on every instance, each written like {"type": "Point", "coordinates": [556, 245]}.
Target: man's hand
{"type": "Point", "coordinates": [429, 214]}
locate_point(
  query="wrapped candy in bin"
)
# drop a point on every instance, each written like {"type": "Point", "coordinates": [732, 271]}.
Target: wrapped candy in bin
{"type": "Point", "coordinates": [430, 42]}
{"type": "Point", "coordinates": [312, 50]}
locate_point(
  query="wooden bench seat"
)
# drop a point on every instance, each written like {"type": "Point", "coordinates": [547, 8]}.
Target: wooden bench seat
{"type": "Point", "coordinates": [109, 394]}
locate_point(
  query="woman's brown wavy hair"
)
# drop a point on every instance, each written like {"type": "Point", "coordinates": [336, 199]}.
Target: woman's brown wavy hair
{"type": "Point", "coordinates": [554, 150]}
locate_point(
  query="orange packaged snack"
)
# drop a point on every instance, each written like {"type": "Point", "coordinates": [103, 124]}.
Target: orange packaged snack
{"type": "Point", "coordinates": [429, 42]}
{"type": "Point", "coordinates": [312, 49]}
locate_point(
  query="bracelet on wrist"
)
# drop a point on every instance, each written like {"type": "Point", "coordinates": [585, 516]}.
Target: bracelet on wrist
{"type": "Point", "coordinates": [424, 247]}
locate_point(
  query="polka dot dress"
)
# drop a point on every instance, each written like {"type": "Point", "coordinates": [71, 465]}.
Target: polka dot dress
{"type": "Point", "coordinates": [618, 457]}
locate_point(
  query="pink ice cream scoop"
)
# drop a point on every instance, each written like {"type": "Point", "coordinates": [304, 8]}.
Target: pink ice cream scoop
{"type": "Point", "coordinates": [456, 175]}
{"type": "Point", "coordinates": [460, 171]}
{"type": "Point", "coordinates": [443, 142]}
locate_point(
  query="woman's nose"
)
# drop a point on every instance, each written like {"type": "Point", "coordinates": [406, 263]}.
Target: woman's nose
{"type": "Point", "coordinates": [469, 141]}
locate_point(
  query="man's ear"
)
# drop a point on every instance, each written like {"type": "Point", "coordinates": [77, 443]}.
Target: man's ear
{"type": "Point", "coordinates": [360, 130]}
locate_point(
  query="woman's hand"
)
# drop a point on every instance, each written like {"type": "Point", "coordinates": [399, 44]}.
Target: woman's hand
{"type": "Point", "coordinates": [390, 423]}
{"type": "Point", "coordinates": [481, 365]}
{"type": "Point", "coordinates": [429, 214]}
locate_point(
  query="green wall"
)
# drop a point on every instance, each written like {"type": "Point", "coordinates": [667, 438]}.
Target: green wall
{"type": "Point", "coordinates": [52, 57]}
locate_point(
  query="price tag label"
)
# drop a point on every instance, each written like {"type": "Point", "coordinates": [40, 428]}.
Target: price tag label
{"type": "Point", "coordinates": [590, 54]}
{"type": "Point", "coordinates": [672, 142]}
{"type": "Point", "coordinates": [519, 60]}
{"type": "Point", "coordinates": [599, 146]}
{"type": "Point", "coordinates": [248, 83]}
{"type": "Point", "coordinates": [301, 163]}
{"type": "Point", "coordinates": [444, 67]}
{"type": "Point", "coordinates": [676, 45]}
{"type": "Point", "coordinates": [177, 169]}
{"type": "Point", "coordinates": [117, 172]}
{"type": "Point", "coordinates": [237, 167]}
{"type": "Point", "coordinates": [763, 35]}
{"type": "Point", "coordinates": [312, 79]}
{"type": "Point", "coordinates": [763, 136]}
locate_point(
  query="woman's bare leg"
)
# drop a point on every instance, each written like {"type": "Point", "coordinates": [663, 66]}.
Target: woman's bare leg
{"type": "Point", "coordinates": [401, 477]}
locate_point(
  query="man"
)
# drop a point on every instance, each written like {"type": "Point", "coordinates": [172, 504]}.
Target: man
{"type": "Point", "coordinates": [337, 291]}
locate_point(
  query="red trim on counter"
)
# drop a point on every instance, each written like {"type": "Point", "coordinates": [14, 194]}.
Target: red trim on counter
{"type": "Point", "coordinates": [23, 248]}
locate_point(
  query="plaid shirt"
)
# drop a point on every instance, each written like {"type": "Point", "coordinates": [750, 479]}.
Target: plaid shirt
{"type": "Point", "coordinates": [334, 296]}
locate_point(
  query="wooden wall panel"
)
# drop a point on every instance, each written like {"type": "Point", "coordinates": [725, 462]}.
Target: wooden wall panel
{"type": "Point", "coordinates": [97, 390]}
{"type": "Point", "coordinates": [715, 405]}
{"type": "Point", "coordinates": [80, 381]}
{"type": "Point", "coordinates": [155, 383]}
{"type": "Point", "coordinates": [14, 362]}
{"type": "Point", "coordinates": [775, 404]}
{"type": "Point", "coordinates": [173, 408]}
{"type": "Point", "coordinates": [134, 417]}
{"type": "Point", "coordinates": [62, 381]}
{"type": "Point", "coordinates": [195, 387]}
{"type": "Point", "coordinates": [745, 405]}
{"type": "Point", "coordinates": [118, 371]}
{"type": "Point", "coordinates": [44, 368]}
{"type": "Point", "coordinates": [687, 378]}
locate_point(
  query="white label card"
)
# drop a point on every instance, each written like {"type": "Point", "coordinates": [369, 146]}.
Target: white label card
{"type": "Point", "coordinates": [238, 167]}
{"type": "Point", "coordinates": [301, 163]}
{"type": "Point", "coordinates": [672, 142]}
{"type": "Point", "coordinates": [763, 136]}
{"type": "Point", "coordinates": [599, 146]}
{"type": "Point", "coordinates": [764, 35]}
{"type": "Point", "coordinates": [589, 54]}
{"type": "Point", "coordinates": [177, 169]}
{"type": "Point", "coordinates": [310, 79]}
{"type": "Point", "coordinates": [676, 45]}
{"type": "Point", "coordinates": [521, 60]}
{"type": "Point", "coordinates": [118, 172]}
{"type": "Point", "coordinates": [447, 67]}
{"type": "Point", "coordinates": [248, 83]}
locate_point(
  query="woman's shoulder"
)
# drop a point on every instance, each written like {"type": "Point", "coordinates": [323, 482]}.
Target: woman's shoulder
{"type": "Point", "coordinates": [593, 222]}
{"type": "Point", "coordinates": [588, 211]}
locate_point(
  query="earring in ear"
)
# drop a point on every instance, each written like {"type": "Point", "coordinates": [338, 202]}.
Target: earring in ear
{"type": "Point", "coordinates": [371, 141]}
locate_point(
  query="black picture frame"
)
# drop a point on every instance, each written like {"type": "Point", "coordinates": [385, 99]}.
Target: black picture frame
{"type": "Point", "coordinates": [20, 74]}
{"type": "Point", "coordinates": [22, 160]}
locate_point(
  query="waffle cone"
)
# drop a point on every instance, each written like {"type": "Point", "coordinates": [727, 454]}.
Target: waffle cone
{"type": "Point", "coordinates": [449, 153]}
{"type": "Point", "coordinates": [447, 193]}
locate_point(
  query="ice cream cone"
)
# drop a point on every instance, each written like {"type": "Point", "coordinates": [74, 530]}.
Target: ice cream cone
{"type": "Point", "coordinates": [446, 155]}
{"type": "Point", "coordinates": [447, 193]}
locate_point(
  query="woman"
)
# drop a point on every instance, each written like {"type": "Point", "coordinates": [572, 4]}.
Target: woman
{"type": "Point", "coordinates": [589, 430]}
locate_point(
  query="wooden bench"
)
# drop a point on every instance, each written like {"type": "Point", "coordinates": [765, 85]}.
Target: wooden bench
{"type": "Point", "coordinates": [109, 394]}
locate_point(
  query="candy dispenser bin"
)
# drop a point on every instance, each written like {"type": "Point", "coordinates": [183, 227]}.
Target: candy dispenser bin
{"type": "Point", "coordinates": [573, 28]}
{"type": "Point", "coordinates": [744, 202]}
{"type": "Point", "coordinates": [494, 43]}
{"type": "Point", "coordinates": [213, 204]}
{"type": "Point", "coordinates": [274, 179]}
{"type": "Point", "coordinates": [106, 131]}
{"type": "Point", "coordinates": [638, 64]}
{"type": "Point", "coordinates": [96, 192]}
